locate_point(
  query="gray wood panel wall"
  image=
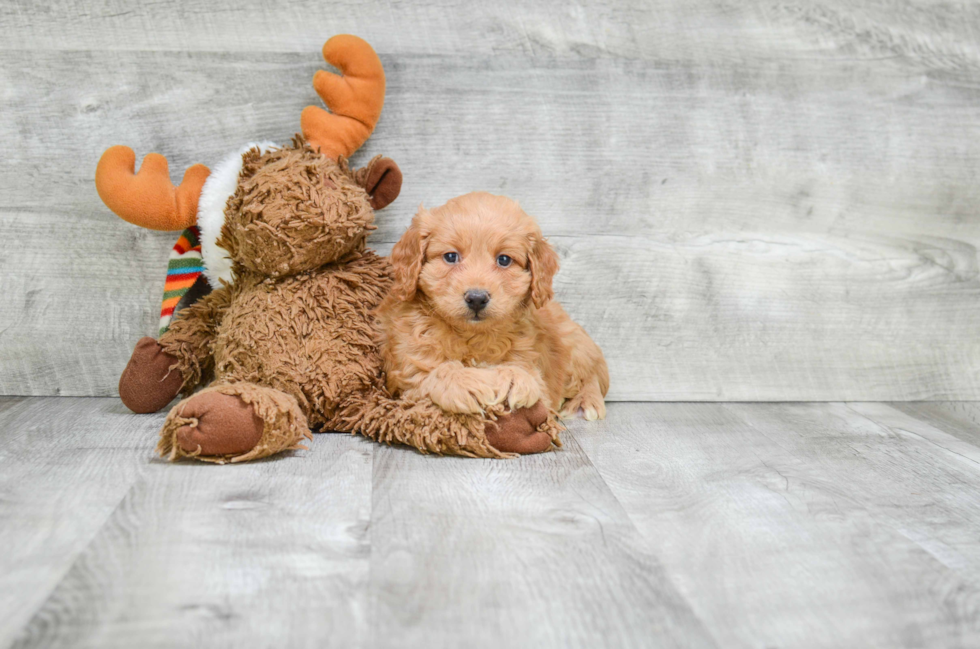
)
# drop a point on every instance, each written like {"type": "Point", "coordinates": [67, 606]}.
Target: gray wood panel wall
{"type": "Point", "coordinates": [752, 201]}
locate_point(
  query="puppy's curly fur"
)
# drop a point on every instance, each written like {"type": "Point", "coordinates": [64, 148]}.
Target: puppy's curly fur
{"type": "Point", "coordinates": [516, 349]}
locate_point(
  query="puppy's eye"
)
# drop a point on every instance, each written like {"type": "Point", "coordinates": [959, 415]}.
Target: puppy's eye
{"type": "Point", "coordinates": [503, 261]}
{"type": "Point", "coordinates": [451, 257]}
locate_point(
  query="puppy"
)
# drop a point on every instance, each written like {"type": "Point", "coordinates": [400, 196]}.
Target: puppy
{"type": "Point", "coordinates": [470, 321]}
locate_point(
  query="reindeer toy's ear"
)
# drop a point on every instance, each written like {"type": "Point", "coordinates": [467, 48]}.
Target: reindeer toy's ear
{"type": "Point", "coordinates": [382, 179]}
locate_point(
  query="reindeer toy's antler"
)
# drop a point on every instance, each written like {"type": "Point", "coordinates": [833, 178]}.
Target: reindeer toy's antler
{"type": "Point", "coordinates": [355, 99]}
{"type": "Point", "coordinates": [149, 199]}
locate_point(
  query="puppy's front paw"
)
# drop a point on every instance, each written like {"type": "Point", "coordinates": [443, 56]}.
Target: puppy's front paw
{"type": "Point", "coordinates": [589, 406]}
{"type": "Point", "coordinates": [457, 399]}
{"type": "Point", "coordinates": [463, 394]}
{"type": "Point", "coordinates": [523, 390]}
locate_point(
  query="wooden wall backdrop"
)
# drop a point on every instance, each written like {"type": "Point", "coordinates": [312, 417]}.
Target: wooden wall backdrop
{"type": "Point", "coordinates": [752, 200]}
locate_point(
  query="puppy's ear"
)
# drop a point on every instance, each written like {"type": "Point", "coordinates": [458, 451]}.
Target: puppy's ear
{"type": "Point", "coordinates": [543, 264]}
{"type": "Point", "coordinates": [406, 258]}
{"type": "Point", "coordinates": [381, 179]}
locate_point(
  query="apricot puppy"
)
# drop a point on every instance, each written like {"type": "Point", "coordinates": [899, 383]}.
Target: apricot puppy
{"type": "Point", "coordinates": [471, 323]}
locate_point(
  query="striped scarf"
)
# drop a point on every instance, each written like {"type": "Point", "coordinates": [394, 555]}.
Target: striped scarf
{"type": "Point", "coordinates": [183, 268]}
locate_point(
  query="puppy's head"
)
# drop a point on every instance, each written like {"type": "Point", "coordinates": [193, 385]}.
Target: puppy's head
{"type": "Point", "coordinates": [477, 259]}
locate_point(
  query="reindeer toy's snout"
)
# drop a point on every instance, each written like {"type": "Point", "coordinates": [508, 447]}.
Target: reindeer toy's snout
{"type": "Point", "coordinates": [286, 338]}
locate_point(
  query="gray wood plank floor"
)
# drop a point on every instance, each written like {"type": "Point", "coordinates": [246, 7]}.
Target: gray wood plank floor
{"type": "Point", "coordinates": [672, 524]}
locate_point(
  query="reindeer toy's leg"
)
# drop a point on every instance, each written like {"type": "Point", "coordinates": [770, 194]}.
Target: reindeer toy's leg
{"type": "Point", "coordinates": [179, 362]}
{"type": "Point", "coordinates": [430, 429]}
{"type": "Point", "coordinates": [226, 420]}
{"type": "Point", "coordinates": [233, 422]}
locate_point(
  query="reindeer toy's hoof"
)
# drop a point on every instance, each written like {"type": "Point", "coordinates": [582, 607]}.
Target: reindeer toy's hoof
{"type": "Point", "coordinates": [217, 424]}
{"type": "Point", "coordinates": [233, 423]}
{"type": "Point", "coordinates": [524, 431]}
{"type": "Point", "coordinates": [151, 379]}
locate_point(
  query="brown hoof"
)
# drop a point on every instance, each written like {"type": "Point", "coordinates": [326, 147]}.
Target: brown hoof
{"type": "Point", "coordinates": [225, 425]}
{"type": "Point", "coordinates": [148, 384]}
{"type": "Point", "coordinates": [516, 432]}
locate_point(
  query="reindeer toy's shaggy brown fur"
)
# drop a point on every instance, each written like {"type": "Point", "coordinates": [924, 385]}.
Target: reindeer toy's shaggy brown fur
{"type": "Point", "coordinates": [287, 340]}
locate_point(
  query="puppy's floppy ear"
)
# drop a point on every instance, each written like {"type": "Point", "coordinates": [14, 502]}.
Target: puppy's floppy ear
{"type": "Point", "coordinates": [407, 258]}
{"type": "Point", "coordinates": [543, 264]}
{"type": "Point", "coordinates": [381, 179]}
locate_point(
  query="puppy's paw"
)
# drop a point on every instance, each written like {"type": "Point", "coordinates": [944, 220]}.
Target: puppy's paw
{"type": "Point", "coordinates": [589, 406]}
{"type": "Point", "coordinates": [464, 394]}
{"type": "Point", "coordinates": [457, 399]}
{"type": "Point", "coordinates": [489, 394]}
{"type": "Point", "coordinates": [479, 390]}
{"type": "Point", "coordinates": [523, 390]}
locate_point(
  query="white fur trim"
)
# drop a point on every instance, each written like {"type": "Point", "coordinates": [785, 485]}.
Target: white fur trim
{"type": "Point", "coordinates": [218, 188]}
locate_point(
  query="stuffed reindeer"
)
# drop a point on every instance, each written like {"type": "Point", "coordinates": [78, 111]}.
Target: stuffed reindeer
{"type": "Point", "coordinates": [286, 342]}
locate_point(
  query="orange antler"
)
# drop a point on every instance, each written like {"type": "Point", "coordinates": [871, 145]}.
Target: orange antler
{"type": "Point", "coordinates": [148, 198]}
{"type": "Point", "coordinates": [355, 98]}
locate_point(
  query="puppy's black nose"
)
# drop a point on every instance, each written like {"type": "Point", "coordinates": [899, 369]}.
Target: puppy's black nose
{"type": "Point", "coordinates": [476, 299]}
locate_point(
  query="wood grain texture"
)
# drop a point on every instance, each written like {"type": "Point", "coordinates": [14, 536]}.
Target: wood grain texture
{"type": "Point", "coordinates": [802, 524]}
{"type": "Point", "coordinates": [761, 202]}
{"type": "Point", "coordinates": [943, 33]}
{"type": "Point", "coordinates": [530, 553]}
{"type": "Point", "coordinates": [271, 553]}
{"type": "Point", "coordinates": [960, 419]}
{"type": "Point", "coordinates": [65, 465]}
{"type": "Point", "coordinates": [696, 525]}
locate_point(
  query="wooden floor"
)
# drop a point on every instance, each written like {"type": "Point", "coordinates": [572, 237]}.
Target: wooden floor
{"type": "Point", "coordinates": [705, 525]}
